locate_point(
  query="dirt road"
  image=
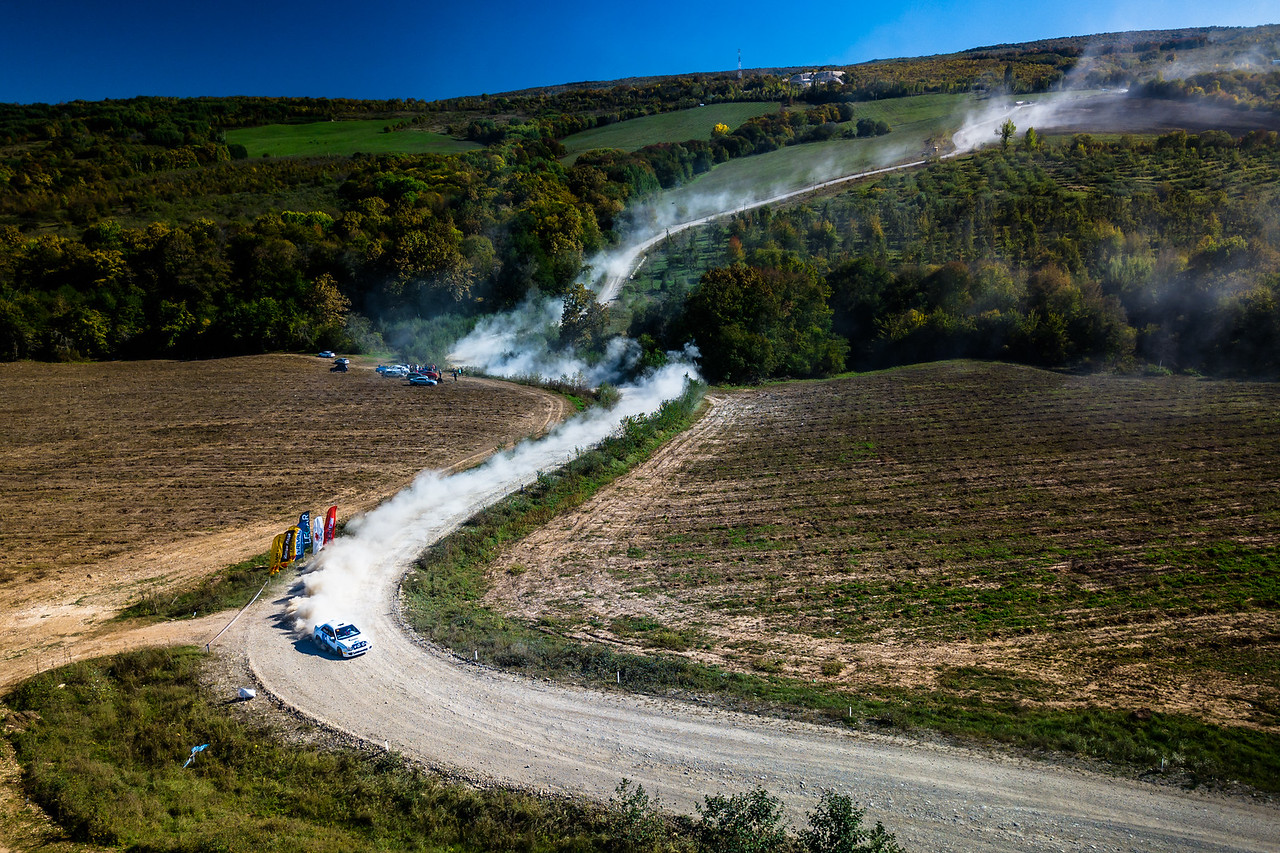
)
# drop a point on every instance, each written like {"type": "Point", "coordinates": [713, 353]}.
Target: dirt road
{"type": "Point", "coordinates": [488, 725]}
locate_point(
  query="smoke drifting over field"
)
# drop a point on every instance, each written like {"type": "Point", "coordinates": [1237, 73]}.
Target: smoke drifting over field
{"type": "Point", "coordinates": [670, 213]}
{"type": "Point", "coordinates": [521, 343]}
{"type": "Point", "coordinates": [1103, 112]}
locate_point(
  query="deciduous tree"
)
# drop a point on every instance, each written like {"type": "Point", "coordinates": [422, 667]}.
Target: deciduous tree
{"type": "Point", "coordinates": [1006, 132]}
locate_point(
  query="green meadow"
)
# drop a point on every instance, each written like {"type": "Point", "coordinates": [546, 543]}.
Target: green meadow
{"type": "Point", "coordinates": [342, 138]}
{"type": "Point", "coordinates": [913, 122]}
{"type": "Point", "coordinates": [677, 126]}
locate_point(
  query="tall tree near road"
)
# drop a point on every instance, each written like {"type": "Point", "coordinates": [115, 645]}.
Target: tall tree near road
{"type": "Point", "coordinates": [1006, 131]}
{"type": "Point", "coordinates": [583, 321]}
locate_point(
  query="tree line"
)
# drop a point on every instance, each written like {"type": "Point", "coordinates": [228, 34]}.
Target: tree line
{"type": "Point", "coordinates": [369, 236]}
{"type": "Point", "coordinates": [129, 229]}
{"type": "Point", "coordinates": [1238, 89]}
{"type": "Point", "coordinates": [1088, 253]}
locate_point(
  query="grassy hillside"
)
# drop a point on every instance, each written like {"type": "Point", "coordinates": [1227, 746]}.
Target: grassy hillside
{"type": "Point", "coordinates": [913, 121]}
{"type": "Point", "coordinates": [666, 127]}
{"type": "Point", "coordinates": [342, 138]}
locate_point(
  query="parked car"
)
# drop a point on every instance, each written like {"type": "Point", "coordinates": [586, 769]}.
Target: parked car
{"type": "Point", "coordinates": [341, 638]}
{"type": "Point", "coordinates": [325, 354]}
{"type": "Point", "coordinates": [421, 379]}
{"type": "Point", "coordinates": [343, 361]}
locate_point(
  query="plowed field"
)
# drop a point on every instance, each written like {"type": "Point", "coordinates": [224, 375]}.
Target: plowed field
{"type": "Point", "coordinates": [124, 478]}
{"type": "Point", "coordinates": [987, 529]}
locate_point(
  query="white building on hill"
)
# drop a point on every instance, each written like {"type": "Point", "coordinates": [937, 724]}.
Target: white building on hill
{"type": "Point", "coordinates": [816, 78]}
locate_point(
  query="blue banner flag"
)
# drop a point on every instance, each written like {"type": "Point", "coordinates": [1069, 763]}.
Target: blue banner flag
{"type": "Point", "coordinates": [304, 525]}
{"type": "Point", "coordinates": [201, 748]}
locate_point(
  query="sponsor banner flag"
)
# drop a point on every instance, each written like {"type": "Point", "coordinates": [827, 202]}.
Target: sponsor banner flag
{"type": "Point", "coordinates": [304, 529]}
{"type": "Point", "coordinates": [297, 543]}
{"type": "Point", "coordinates": [290, 537]}
{"type": "Point", "coordinates": [277, 553]}
{"type": "Point", "coordinates": [330, 523]}
{"type": "Point", "coordinates": [317, 534]}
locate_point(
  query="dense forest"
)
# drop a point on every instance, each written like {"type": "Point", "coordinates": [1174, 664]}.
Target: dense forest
{"type": "Point", "coordinates": [132, 229]}
{"type": "Point", "coordinates": [1162, 251]}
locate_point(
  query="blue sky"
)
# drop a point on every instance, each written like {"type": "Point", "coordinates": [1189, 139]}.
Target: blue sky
{"type": "Point", "coordinates": [60, 50]}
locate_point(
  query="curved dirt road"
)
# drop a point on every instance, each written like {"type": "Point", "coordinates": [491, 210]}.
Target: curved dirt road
{"type": "Point", "coordinates": [622, 264]}
{"type": "Point", "coordinates": [489, 725]}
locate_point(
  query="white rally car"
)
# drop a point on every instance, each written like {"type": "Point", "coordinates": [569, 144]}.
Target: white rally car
{"type": "Point", "coordinates": [342, 638]}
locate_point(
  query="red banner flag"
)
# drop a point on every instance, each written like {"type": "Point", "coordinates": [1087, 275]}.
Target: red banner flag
{"type": "Point", "coordinates": [330, 523]}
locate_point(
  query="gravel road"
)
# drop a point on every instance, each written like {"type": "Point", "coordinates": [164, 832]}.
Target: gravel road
{"type": "Point", "coordinates": [490, 726]}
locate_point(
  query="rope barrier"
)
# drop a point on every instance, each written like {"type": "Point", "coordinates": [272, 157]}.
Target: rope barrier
{"type": "Point", "coordinates": [238, 615]}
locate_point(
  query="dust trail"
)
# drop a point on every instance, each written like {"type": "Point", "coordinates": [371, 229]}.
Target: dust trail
{"type": "Point", "coordinates": [654, 221]}
{"type": "Point", "coordinates": [618, 265]}
{"type": "Point", "coordinates": [522, 343]}
{"type": "Point", "coordinates": [400, 528]}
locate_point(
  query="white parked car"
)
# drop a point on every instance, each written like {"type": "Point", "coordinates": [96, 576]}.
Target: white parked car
{"type": "Point", "coordinates": [341, 638]}
{"type": "Point", "coordinates": [328, 353]}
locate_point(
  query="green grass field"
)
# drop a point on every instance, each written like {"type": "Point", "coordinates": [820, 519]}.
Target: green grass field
{"type": "Point", "coordinates": [104, 743]}
{"type": "Point", "coordinates": [342, 138]}
{"type": "Point", "coordinates": [914, 113]}
{"type": "Point", "coordinates": [913, 120]}
{"type": "Point", "coordinates": [665, 127]}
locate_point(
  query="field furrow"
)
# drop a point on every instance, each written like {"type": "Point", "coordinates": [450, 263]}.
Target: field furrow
{"type": "Point", "coordinates": [985, 529]}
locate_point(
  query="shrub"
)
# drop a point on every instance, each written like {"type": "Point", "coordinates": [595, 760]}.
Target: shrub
{"type": "Point", "coordinates": [743, 823]}
{"type": "Point", "coordinates": [835, 826]}
{"type": "Point", "coordinates": [634, 819]}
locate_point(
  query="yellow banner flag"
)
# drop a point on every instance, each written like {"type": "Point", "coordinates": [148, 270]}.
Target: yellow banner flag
{"type": "Point", "coordinates": [277, 553]}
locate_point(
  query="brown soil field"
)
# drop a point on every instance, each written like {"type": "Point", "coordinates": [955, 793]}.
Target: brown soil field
{"type": "Point", "coordinates": [127, 478]}
{"type": "Point", "coordinates": [974, 528]}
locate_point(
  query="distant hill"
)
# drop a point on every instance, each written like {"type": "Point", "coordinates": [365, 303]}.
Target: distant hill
{"type": "Point", "coordinates": [1230, 42]}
